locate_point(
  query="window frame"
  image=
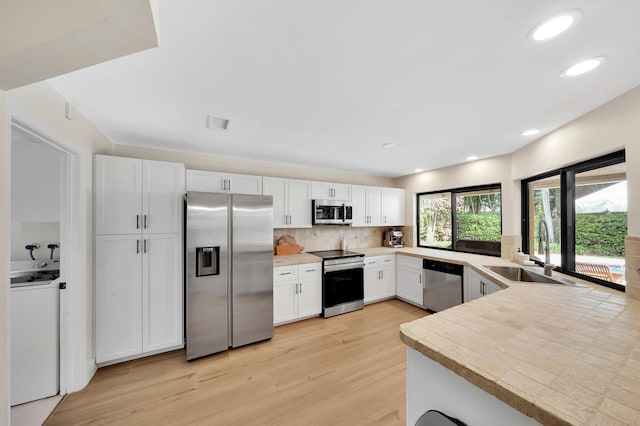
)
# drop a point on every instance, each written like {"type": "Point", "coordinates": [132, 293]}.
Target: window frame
{"type": "Point", "coordinates": [454, 191]}
{"type": "Point", "coordinates": [567, 176]}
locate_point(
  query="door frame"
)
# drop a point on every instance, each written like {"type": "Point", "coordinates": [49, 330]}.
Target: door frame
{"type": "Point", "coordinates": [70, 263]}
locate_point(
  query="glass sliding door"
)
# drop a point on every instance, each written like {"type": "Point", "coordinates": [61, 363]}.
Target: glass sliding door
{"type": "Point", "coordinates": [585, 209]}
{"type": "Point", "coordinates": [601, 223]}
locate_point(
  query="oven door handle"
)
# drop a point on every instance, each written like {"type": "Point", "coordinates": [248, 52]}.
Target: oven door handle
{"type": "Point", "coordinates": [343, 267]}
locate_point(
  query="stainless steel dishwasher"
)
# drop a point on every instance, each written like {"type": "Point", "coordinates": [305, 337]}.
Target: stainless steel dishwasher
{"type": "Point", "coordinates": [442, 284]}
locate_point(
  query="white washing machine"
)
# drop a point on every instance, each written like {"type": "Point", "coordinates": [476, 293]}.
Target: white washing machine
{"type": "Point", "coordinates": [35, 353]}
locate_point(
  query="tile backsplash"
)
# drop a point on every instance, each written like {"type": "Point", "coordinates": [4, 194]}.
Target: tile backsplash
{"type": "Point", "coordinates": [328, 237]}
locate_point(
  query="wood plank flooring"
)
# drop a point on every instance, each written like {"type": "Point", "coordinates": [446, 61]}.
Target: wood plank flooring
{"type": "Point", "coordinates": [345, 370]}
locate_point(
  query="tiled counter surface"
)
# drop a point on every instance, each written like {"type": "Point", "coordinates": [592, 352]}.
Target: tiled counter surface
{"type": "Point", "coordinates": [559, 354]}
{"type": "Point", "coordinates": [375, 251]}
{"type": "Point", "coordinates": [295, 259]}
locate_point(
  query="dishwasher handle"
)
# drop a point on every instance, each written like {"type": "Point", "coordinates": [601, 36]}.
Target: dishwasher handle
{"type": "Point", "coordinates": [447, 268]}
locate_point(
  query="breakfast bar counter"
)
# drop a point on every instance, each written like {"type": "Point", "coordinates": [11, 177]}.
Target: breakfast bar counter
{"type": "Point", "coordinates": [558, 354]}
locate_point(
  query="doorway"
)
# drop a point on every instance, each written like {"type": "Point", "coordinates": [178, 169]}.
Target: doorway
{"type": "Point", "coordinates": [40, 221]}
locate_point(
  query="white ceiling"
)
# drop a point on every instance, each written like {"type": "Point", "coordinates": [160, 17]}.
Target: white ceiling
{"type": "Point", "coordinates": [40, 39]}
{"type": "Point", "coordinates": [326, 83]}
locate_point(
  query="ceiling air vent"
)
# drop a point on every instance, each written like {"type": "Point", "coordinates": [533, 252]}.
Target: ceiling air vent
{"type": "Point", "coordinates": [217, 123]}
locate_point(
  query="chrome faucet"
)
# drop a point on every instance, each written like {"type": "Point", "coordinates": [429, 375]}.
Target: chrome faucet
{"type": "Point", "coordinates": [548, 267]}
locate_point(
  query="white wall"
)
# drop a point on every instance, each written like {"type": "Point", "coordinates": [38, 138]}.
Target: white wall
{"type": "Point", "coordinates": [609, 128]}
{"type": "Point", "coordinates": [249, 167]}
{"type": "Point", "coordinates": [35, 180]}
{"type": "Point", "coordinates": [613, 126]}
{"type": "Point", "coordinates": [5, 169]}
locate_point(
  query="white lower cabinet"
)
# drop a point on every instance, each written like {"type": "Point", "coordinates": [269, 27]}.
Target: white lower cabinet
{"type": "Point", "coordinates": [138, 294]}
{"type": "Point", "coordinates": [379, 278]}
{"type": "Point", "coordinates": [297, 292]}
{"type": "Point", "coordinates": [476, 286]}
{"type": "Point", "coordinates": [161, 292]}
{"type": "Point", "coordinates": [410, 279]}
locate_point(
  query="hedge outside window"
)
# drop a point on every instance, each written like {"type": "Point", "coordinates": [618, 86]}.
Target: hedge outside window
{"type": "Point", "coordinates": [463, 219]}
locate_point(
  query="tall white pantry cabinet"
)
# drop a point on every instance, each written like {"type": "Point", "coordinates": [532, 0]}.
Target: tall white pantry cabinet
{"type": "Point", "coordinates": [138, 256]}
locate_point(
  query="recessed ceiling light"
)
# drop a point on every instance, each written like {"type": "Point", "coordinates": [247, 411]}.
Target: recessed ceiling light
{"type": "Point", "coordinates": [530, 132]}
{"type": "Point", "coordinates": [217, 122]}
{"type": "Point", "coordinates": [583, 67]}
{"type": "Point", "coordinates": [389, 145]}
{"type": "Point", "coordinates": [553, 27]}
{"type": "Point", "coordinates": [418, 171]}
{"type": "Point", "coordinates": [472, 158]}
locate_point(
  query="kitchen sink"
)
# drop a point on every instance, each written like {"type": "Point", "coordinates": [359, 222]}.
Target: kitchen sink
{"type": "Point", "coordinates": [515, 273]}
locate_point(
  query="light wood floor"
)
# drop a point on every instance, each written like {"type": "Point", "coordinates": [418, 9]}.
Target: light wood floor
{"type": "Point", "coordinates": [345, 370]}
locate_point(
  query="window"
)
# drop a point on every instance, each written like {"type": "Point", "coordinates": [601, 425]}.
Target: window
{"type": "Point", "coordinates": [585, 209]}
{"type": "Point", "coordinates": [464, 219]}
{"type": "Point", "coordinates": [546, 203]}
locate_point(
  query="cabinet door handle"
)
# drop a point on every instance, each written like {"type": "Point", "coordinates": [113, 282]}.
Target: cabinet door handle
{"type": "Point", "coordinates": [381, 275]}
{"type": "Point", "coordinates": [137, 221]}
{"type": "Point", "coordinates": [144, 221]}
{"type": "Point", "coordinates": [420, 278]}
{"type": "Point", "coordinates": [137, 246]}
{"type": "Point", "coordinates": [482, 288]}
{"type": "Point", "coordinates": [385, 219]}
{"type": "Point", "coordinates": [285, 273]}
{"type": "Point", "coordinates": [300, 288]}
{"type": "Point", "coordinates": [144, 246]}
{"type": "Point", "coordinates": [387, 260]}
{"type": "Point", "coordinates": [229, 184]}
{"type": "Point", "coordinates": [310, 270]}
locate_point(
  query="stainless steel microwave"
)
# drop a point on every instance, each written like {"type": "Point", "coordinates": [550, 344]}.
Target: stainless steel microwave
{"type": "Point", "coordinates": [329, 212]}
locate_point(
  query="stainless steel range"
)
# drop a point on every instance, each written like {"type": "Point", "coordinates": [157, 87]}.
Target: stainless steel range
{"type": "Point", "coordinates": [342, 281]}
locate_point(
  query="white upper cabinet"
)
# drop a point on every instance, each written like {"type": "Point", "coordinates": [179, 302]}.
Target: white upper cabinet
{"type": "Point", "coordinates": [299, 204]}
{"type": "Point", "coordinates": [118, 194]}
{"type": "Point", "coordinates": [330, 191]}
{"type": "Point", "coordinates": [133, 195]}
{"type": "Point", "coordinates": [375, 206]}
{"type": "Point", "coordinates": [359, 203]}
{"type": "Point", "coordinates": [278, 188]}
{"type": "Point", "coordinates": [291, 202]}
{"type": "Point", "coordinates": [392, 207]}
{"type": "Point", "coordinates": [206, 181]}
{"type": "Point", "coordinates": [162, 189]}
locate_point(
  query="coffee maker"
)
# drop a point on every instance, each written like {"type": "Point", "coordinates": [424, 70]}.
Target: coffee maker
{"type": "Point", "coordinates": [393, 238]}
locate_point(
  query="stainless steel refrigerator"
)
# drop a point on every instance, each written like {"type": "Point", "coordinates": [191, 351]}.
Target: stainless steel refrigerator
{"type": "Point", "coordinates": [228, 271]}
